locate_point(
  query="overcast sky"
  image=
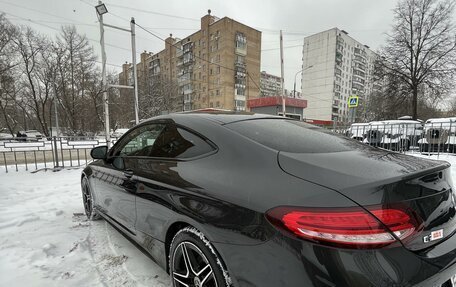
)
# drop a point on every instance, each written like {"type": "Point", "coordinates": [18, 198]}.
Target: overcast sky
{"type": "Point", "coordinates": [365, 20]}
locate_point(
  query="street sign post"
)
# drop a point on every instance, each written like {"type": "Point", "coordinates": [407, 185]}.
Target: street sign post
{"type": "Point", "coordinates": [353, 101]}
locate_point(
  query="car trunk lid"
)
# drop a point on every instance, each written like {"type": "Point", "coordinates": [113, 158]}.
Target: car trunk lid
{"type": "Point", "coordinates": [373, 177]}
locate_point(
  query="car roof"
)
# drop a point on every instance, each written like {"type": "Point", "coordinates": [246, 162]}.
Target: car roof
{"type": "Point", "coordinates": [441, 120]}
{"type": "Point", "coordinates": [218, 116]}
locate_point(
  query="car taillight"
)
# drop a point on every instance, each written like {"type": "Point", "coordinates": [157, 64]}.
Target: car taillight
{"type": "Point", "coordinates": [345, 227]}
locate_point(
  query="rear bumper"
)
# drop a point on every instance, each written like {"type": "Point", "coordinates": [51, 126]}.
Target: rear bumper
{"type": "Point", "coordinates": [284, 261]}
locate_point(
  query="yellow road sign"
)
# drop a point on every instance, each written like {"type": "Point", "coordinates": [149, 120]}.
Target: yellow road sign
{"type": "Point", "coordinates": [353, 101]}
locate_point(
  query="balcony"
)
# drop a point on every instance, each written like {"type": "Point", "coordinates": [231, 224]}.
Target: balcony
{"type": "Point", "coordinates": [241, 50]}
{"type": "Point", "coordinates": [179, 51]}
{"type": "Point", "coordinates": [240, 64]}
{"type": "Point", "coordinates": [340, 41]}
{"type": "Point", "coordinates": [187, 47]}
{"type": "Point", "coordinates": [187, 91]}
{"type": "Point", "coordinates": [359, 66]}
{"type": "Point", "coordinates": [360, 59]}
{"type": "Point", "coordinates": [183, 80]}
{"type": "Point", "coordinates": [358, 81]}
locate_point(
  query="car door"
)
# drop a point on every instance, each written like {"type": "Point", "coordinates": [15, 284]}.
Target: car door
{"type": "Point", "coordinates": [164, 176]}
{"type": "Point", "coordinates": [117, 182]}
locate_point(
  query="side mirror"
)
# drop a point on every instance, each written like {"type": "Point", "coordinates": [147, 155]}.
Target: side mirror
{"type": "Point", "coordinates": [99, 152]}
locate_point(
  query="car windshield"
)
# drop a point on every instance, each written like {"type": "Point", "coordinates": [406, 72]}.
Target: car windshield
{"type": "Point", "coordinates": [292, 136]}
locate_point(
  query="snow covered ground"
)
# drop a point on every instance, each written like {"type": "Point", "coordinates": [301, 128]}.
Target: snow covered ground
{"type": "Point", "coordinates": [45, 239]}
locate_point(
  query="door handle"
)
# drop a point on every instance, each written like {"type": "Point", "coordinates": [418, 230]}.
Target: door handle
{"type": "Point", "coordinates": [128, 173]}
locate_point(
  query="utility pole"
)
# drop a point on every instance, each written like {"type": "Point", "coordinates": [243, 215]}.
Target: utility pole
{"type": "Point", "coordinates": [103, 77]}
{"type": "Point", "coordinates": [56, 102]}
{"type": "Point", "coordinates": [135, 75]}
{"type": "Point", "coordinates": [282, 74]}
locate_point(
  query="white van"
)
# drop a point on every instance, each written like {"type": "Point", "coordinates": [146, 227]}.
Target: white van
{"type": "Point", "coordinates": [439, 135]}
{"type": "Point", "coordinates": [396, 135]}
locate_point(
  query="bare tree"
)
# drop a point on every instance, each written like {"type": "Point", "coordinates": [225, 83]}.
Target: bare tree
{"type": "Point", "coordinates": [161, 95]}
{"type": "Point", "coordinates": [8, 63]}
{"type": "Point", "coordinates": [76, 66]}
{"type": "Point", "coordinates": [420, 54]}
{"type": "Point", "coordinates": [35, 84]}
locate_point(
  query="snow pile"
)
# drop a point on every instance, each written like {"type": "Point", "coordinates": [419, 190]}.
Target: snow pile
{"type": "Point", "coordinates": [45, 239]}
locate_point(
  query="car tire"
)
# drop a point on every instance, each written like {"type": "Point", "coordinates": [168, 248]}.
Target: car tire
{"type": "Point", "coordinates": [452, 148]}
{"type": "Point", "coordinates": [193, 261]}
{"type": "Point", "coordinates": [424, 148]}
{"type": "Point", "coordinates": [88, 200]}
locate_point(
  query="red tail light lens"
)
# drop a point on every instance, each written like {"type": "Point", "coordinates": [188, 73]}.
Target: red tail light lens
{"type": "Point", "coordinates": [347, 227]}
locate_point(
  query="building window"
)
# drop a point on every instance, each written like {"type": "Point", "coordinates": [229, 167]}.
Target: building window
{"type": "Point", "coordinates": [210, 72]}
{"type": "Point", "coordinates": [217, 92]}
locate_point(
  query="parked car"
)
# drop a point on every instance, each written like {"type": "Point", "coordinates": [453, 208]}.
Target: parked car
{"type": "Point", "coordinates": [358, 131]}
{"type": "Point", "coordinates": [33, 135]}
{"type": "Point", "coordinates": [5, 134]}
{"type": "Point", "coordinates": [439, 135]}
{"type": "Point", "coordinates": [223, 199]}
{"type": "Point", "coordinates": [396, 135]}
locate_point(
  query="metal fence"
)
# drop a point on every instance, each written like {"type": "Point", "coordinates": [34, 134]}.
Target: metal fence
{"type": "Point", "coordinates": [62, 152]}
{"type": "Point", "coordinates": [429, 138]}
{"type": "Point", "coordinates": [43, 153]}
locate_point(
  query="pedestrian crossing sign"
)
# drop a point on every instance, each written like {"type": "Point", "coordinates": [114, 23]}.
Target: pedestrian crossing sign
{"type": "Point", "coordinates": [353, 101]}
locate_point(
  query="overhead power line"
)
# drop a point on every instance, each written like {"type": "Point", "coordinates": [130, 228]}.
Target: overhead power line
{"type": "Point", "coordinates": [286, 47]}
{"type": "Point", "coordinates": [58, 30]}
{"type": "Point", "coordinates": [154, 13]}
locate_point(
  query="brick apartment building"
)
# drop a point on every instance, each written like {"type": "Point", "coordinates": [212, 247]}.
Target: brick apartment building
{"type": "Point", "coordinates": [215, 67]}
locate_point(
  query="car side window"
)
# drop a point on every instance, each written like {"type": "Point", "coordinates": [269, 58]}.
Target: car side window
{"type": "Point", "coordinates": [177, 142]}
{"type": "Point", "coordinates": [141, 141]}
{"type": "Point", "coordinates": [164, 140]}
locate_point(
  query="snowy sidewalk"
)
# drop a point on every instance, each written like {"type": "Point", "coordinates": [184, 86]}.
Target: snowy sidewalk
{"type": "Point", "coordinates": [45, 239]}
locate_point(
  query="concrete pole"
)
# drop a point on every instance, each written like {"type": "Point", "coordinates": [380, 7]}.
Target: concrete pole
{"type": "Point", "coordinates": [135, 72]}
{"type": "Point", "coordinates": [282, 74]}
{"type": "Point", "coordinates": [103, 80]}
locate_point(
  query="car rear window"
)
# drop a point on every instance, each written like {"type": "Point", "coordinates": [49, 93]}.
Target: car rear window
{"type": "Point", "coordinates": [292, 136]}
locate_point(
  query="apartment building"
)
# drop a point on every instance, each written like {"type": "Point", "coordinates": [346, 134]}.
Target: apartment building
{"type": "Point", "coordinates": [215, 67]}
{"type": "Point", "coordinates": [270, 85]}
{"type": "Point", "coordinates": [340, 67]}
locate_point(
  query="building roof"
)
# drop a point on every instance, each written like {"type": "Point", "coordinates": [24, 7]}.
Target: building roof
{"type": "Point", "coordinates": [276, 101]}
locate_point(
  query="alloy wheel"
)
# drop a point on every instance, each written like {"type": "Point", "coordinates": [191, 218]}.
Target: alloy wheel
{"type": "Point", "coordinates": [87, 198]}
{"type": "Point", "coordinates": [191, 267]}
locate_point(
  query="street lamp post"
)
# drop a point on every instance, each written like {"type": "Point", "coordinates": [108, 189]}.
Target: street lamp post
{"type": "Point", "coordinates": [294, 86]}
{"type": "Point", "coordinates": [101, 9]}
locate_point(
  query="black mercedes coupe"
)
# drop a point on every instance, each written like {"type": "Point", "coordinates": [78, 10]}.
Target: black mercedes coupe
{"type": "Point", "coordinates": [226, 199]}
